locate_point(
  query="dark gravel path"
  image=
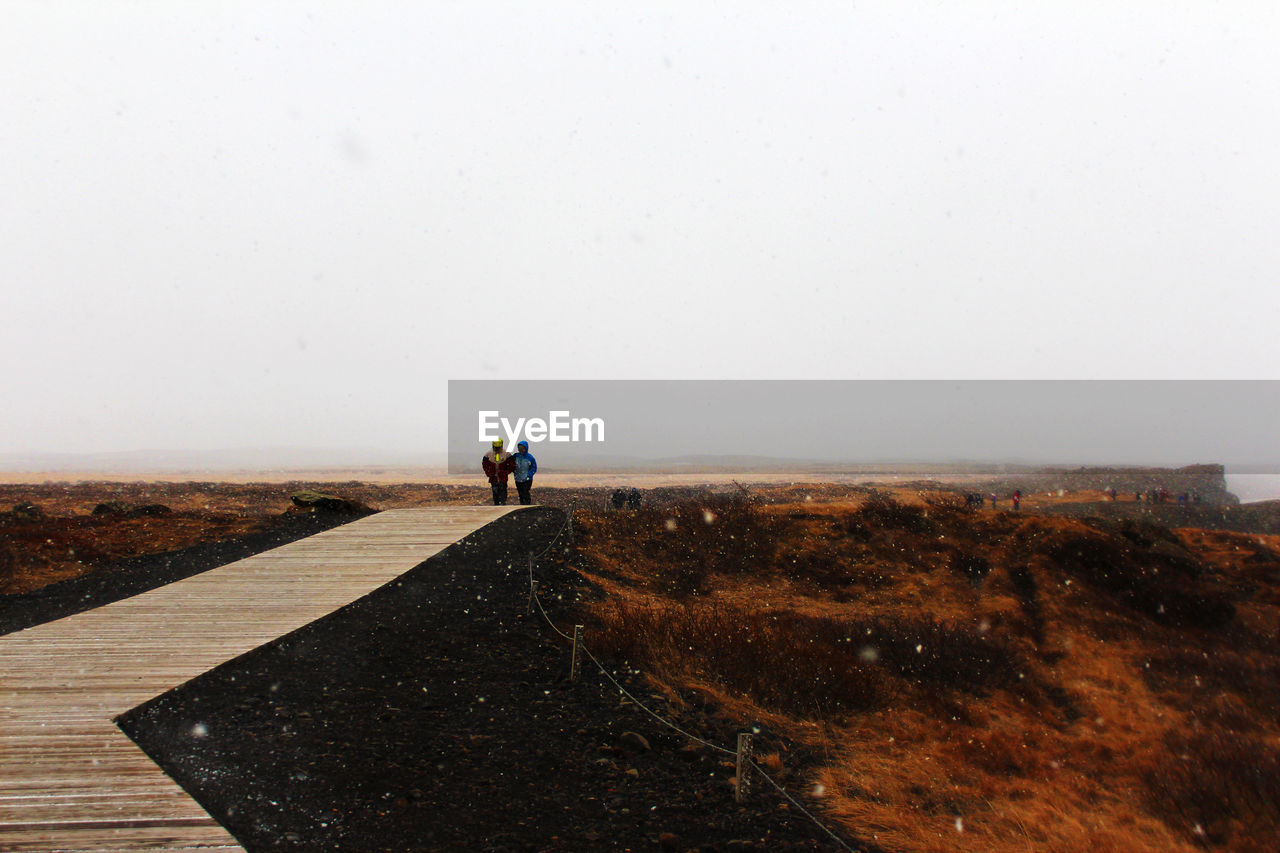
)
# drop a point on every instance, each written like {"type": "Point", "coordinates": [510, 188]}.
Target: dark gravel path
{"type": "Point", "coordinates": [435, 714]}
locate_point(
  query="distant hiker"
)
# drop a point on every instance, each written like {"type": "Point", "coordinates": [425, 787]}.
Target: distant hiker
{"type": "Point", "coordinates": [993, 497]}
{"type": "Point", "coordinates": [497, 464]}
{"type": "Point", "coordinates": [525, 467]}
{"type": "Point", "coordinates": [1017, 498]}
{"type": "Point", "coordinates": [634, 499]}
{"type": "Point", "coordinates": [619, 499]}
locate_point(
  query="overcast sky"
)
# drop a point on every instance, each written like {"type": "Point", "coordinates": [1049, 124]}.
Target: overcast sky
{"type": "Point", "coordinates": [256, 223]}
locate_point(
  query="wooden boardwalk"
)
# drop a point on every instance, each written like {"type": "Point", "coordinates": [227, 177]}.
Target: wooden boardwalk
{"type": "Point", "coordinates": [70, 779]}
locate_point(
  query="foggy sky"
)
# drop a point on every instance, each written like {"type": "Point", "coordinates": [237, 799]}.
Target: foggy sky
{"type": "Point", "coordinates": [264, 223]}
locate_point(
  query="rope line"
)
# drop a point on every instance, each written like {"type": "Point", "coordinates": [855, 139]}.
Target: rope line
{"type": "Point", "coordinates": [537, 599]}
{"type": "Point", "coordinates": [533, 590]}
{"type": "Point", "coordinates": [605, 672]}
{"type": "Point", "coordinates": [564, 525]}
{"type": "Point", "coordinates": [649, 710]}
{"type": "Point", "coordinates": [795, 803]}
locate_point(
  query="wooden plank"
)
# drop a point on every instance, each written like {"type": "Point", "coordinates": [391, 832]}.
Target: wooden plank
{"type": "Point", "coordinates": [69, 779]}
{"type": "Point", "coordinates": [106, 838]}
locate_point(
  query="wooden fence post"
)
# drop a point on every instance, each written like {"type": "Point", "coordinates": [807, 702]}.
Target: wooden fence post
{"type": "Point", "coordinates": [532, 584]}
{"type": "Point", "coordinates": [744, 765]}
{"type": "Point", "coordinates": [575, 665]}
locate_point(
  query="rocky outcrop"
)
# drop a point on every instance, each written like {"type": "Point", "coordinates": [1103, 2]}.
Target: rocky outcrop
{"type": "Point", "coordinates": [320, 502]}
{"type": "Point", "coordinates": [27, 511]}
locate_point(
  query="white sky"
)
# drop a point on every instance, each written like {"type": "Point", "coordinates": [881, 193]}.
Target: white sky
{"type": "Point", "coordinates": [259, 223]}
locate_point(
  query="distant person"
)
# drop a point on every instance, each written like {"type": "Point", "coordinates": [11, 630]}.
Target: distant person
{"type": "Point", "coordinates": [634, 499]}
{"type": "Point", "coordinates": [525, 467]}
{"type": "Point", "coordinates": [1017, 498]}
{"type": "Point", "coordinates": [993, 497]}
{"type": "Point", "coordinates": [619, 499]}
{"type": "Point", "coordinates": [497, 465]}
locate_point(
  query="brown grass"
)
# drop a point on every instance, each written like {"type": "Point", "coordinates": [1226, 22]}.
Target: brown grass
{"type": "Point", "coordinates": [39, 552]}
{"type": "Point", "coordinates": [1220, 785]}
{"type": "Point", "coordinates": [974, 680]}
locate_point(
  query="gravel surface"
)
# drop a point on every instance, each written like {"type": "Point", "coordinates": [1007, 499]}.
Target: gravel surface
{"type": "Point", "coordinates": [436, 714]}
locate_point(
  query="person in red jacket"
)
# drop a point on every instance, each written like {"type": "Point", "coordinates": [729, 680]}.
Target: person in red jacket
{"type": "Point", "coordinates": [497, 464]}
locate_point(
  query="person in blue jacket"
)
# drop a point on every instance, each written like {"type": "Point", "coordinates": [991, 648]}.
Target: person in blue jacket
{"type": "Point", "coordinates": [526, 467]}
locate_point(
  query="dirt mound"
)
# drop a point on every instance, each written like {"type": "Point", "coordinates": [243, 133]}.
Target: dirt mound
{"type": "Point", "coordinates": [128, 510]}
{"type": "Point", "coordinates": [26, 511]}
{"type": "Point", "coordinates": [320, 502]}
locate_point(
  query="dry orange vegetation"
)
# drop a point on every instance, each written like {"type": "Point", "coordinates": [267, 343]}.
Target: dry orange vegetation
{"type": "Point", "coordinates": [36, 554]}
{"type": "Point", "coordinates": [61, 537]}
{"type": "Point", "coordinates": [972, 680]}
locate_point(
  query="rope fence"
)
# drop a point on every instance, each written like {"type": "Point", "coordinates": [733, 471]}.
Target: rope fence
{"type": "Point", "coordinates": [743, 754]}
{"type": "Point", "coordinates": [651, 712]}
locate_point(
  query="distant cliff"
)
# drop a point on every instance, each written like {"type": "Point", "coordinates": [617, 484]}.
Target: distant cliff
{"type": "Point", "coordinates": [1208, 481]}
